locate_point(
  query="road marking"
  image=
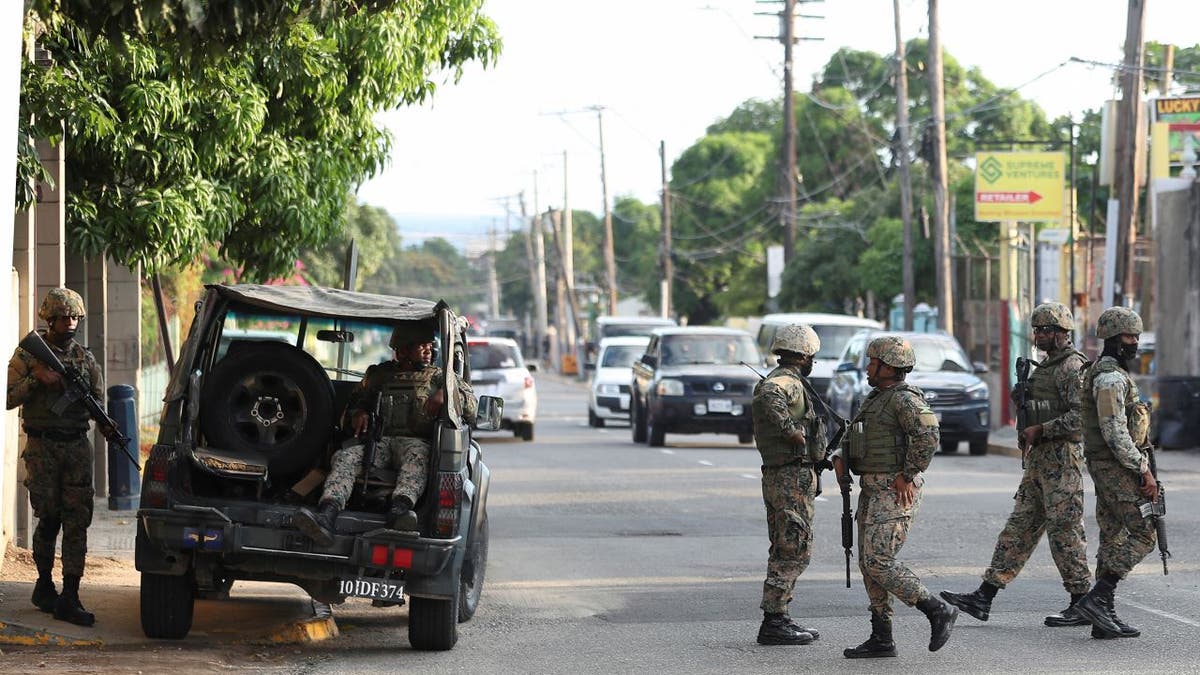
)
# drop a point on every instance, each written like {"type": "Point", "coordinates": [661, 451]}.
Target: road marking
{"type": "Point", "coordinates": [667, 452]}
{"type": "Point", "coordinates": [750, 476]}
{"type": "Point", "coordinates": [705, 462]}
{"type": "Point", "coordinates": [1166, 615]}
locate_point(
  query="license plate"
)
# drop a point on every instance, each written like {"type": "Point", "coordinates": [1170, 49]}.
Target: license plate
{"type": "Point", "coordinates": [720, 405]}
{"type": "Point", "coordinates": [624, 401]}
{"type": "Point", "coordinates": [376, 589]}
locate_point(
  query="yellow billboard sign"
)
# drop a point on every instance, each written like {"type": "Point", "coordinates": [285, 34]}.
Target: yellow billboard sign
{"type": "Point", "coordinates": [1024, 186]}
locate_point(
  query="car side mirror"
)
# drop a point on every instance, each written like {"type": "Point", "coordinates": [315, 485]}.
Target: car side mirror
{"type": "Point", "coordinates": [532, 367]}
{"type": "Point", "coordinates": [980, 367]}
{"type": "Point", "coordinates": [847, 367]}
{"type": "Point", "coordinates": [489, 414]}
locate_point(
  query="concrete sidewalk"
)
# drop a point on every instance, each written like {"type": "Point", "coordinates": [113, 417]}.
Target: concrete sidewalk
{"type": "Point", "coordinates": [255, 613]}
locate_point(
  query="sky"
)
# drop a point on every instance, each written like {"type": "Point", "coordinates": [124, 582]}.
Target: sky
{"type": "Point", "coordinates": [663, 70]}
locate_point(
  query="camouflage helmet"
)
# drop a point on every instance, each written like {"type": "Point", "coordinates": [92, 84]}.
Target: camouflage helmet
{"type": "Point", "coordinates": [409, 333]}
{"type": "Point", "coordinates": [796, 337]}
{"type": "Point", "coordinates": [892, 350]}
{"type": "Point", "coordinates": [1052, 314]}
{"type": "Point", "coordinates": [61, 302]}
{"type": "Point", "coordinates": [1118, 321]}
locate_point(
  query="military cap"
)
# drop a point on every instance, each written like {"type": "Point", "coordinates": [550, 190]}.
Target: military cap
{"type": "Point", "coordinates": [61, 302]}
{"type": "Point", "coordinates": [892, 350]}
{"type": "Point", "coordinates": [1118, 321]}
{"type": "Point", "coordinates": [1052, 314]}
{"type": "Point", "coordinates": [796, 337]}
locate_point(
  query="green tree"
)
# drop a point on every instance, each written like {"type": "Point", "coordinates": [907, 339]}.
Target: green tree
{"type": "Point", "coordinates": [253, 147]}
{"type": "Point", "coordinates": [372, 230]}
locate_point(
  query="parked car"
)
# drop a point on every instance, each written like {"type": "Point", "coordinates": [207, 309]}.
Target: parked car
{"type": "Point", "coordinates": [692, 380]}
{"type": "Point", "coordinates": [618, 326]}
{"type": "Point", "coordinates": [609, 391]}
{"type": "Point", "coordinates": [833, 329]}
{"type": "Point", "coordinates": [250, 420]}
{"type": "Point", "coordinates": [943, 371]}
{"type": "Point", "coordinates": [498, 369]}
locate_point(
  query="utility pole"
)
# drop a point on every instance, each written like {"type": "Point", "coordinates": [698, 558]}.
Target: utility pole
{"type": "Point", "coordinates": [568, 283]}
{"type": "Point", "coordinates": [1130, 148]}
{"type": "Point", "coordinates": [901, 152]}
{"type": "Point", "coordinates": [493, 282]}
{"type": "Point", "coordinates": [668, 265]}
{"type": "Point", "coordinates": [610, 259]}
{"type": "Point", "coordinates": [536, 229]}
{"type": "Point", "coordinates": [941, 203]}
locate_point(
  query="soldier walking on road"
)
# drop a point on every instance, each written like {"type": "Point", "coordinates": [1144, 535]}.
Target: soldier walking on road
{"type": "Point", "coordinates": [1050, 496]}
{"type": "Point", "coordinates": [1116, 425]}
{"type": "Point", "coordinates": [789, 435]}
{"type": "Point", "coordinates": [890, 443]}
{"type": "Point", "coordinates": [58, 454]}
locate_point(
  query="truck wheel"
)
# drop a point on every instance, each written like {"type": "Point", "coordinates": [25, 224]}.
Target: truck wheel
{"type": "Point", "coordinates": [637, 424]}
{"type": "Point", "coordinates": [592, 419]}
{"type": "Point", "coordinates": [269, 398]}
{"type": "Point", "coordinates": [949, 447]}
{"type": "Point", "coordinates": [166, 603]}
{"type": "Point", "coordinates": [655, 433]}
{"type": "Point", "coordinates": [978, 445]}
{"type": "Point", "coordinates": [525, 431]}
{"type": "Point", "coordinates": [433, 623]}
{"type": "Point", "coordinates": [471, 586]}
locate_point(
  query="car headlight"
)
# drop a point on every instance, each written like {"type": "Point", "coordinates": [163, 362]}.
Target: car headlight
{"type": "Point", "coordinates": [608, 389]}
{"type": "Point", "coordinates": [670, 388]}
{"type": "Point", "coordinates": [977, 392]}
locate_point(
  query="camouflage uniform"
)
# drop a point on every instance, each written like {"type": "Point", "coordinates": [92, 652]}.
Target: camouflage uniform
{"type": "Point", "coordinates": [58, 453]}
{"type": "Point", "coordinates": [1050, 496]}
{"type": "Point", "coordinates": [407, 432]}
{"type": "Point", "coordinates": [789, 481]}
{"type": "Point", "coordinates": [900, 413]}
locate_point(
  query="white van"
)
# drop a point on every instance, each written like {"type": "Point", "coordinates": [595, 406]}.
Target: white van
{"type": "Point", "coordinates": [834, 330]}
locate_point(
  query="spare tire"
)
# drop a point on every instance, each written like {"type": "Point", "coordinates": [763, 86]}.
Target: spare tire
{"type": "Point", "coordinates": [272, 398]}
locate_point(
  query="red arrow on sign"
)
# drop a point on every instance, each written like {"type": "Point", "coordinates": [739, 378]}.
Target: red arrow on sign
{"type": "Point", "coordinates": [1030, 197]}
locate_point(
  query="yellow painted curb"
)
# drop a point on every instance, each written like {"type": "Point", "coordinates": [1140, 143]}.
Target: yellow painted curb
{"type": "Point", "coordinates": [16, 634]}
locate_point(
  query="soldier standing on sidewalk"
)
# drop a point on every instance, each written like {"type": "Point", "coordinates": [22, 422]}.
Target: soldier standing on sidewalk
{"type": "Point", "coordinates": [890, 443]}
{"type": "Point", "coordinates": [1116, 425]}
{"type": "Point", "coordinates": [58, 454]}
{"type": "Point", "coordinates": [788, 433]}
{"type": "Point", "coordinates": [1050, 496]}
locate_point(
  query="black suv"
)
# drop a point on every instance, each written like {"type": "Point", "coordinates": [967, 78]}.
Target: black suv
{"type": "Point", "coordinates": [249, 423]}
{"type": "Point", "coordinates": [943, 371]}
{"type": "Point", "coordinates": [695, 380]}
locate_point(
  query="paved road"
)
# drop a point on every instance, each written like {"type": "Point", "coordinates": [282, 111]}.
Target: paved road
{"type": "Point", "coordinates": [612, 557]}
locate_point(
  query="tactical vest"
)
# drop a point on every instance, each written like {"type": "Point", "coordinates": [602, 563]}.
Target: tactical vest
{"type": "Point", "coordinates": [37, 412]}
{"type": "Point", "coordinates": [402, 402]}
{"type": "Point", "coordinates": [1136, 412]}
{"type": "Point", "coordinates": [876, 443]}
{"type": "Point", "coordinates": [776, 449]}
{"type": "Point", "coordinates": [1043, 402]}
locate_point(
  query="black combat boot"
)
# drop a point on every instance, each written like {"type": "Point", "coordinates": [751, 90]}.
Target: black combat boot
{"type": "Point", "coordinates": [401, 516]}
{"type": "Point", "coordinates": [880, 643]}
{"type": "Point", "coordinates": [44, 593]}
{"type": "Point", "coordinates": [801, 629]}
{"type": "Point", "coordinates": [1069, 616]}
{"type": "Point", "coordinates": [1096, 606]}
{"type": "Point", "coordinates": [977, 603]}
{"type": "Point", "coordinates": [68, 608]}
{"type": "Point", "coordinates": [941, 621]}
{"type": "Point", "coordinates": [319, 526]}
{"type": "Point", "coordinates": [1125, 630]}
{"type": "Point", "coordinates": [776, 629]}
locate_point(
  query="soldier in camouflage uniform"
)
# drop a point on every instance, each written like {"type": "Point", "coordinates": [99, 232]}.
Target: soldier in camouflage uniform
{"type": "Point", "coordinates": [411, 399]}
{"type": "Point", "coordinates": [58, 454]}
{"type": "Point", "coordinates": [890, 443]}
{"type": "Point", "coordinates": [1116, 424]}
{"type": "Point", "coordinates": [1050, 496]}
{"type": "Point", "coordinates": [788, 433]}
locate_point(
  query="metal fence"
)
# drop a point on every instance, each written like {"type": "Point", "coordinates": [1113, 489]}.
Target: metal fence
{"type": "Point", "coordinates": [152, 385]}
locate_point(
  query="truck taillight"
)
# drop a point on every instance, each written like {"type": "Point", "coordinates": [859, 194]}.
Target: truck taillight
{"type": "Point", "coordinates": [155, 493]}
{"type": "Point", "coordinates": [450, 490]}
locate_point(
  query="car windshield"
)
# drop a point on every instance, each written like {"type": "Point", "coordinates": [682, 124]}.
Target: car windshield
{"type": "Point", "coordinates": [627, 329]}
{"type": "Point", "coordinates": [935, 355]}
{"type": "Point", "coordinates": [710, 349]}
{"type": "Point", "coordinates": [368, 347]}
{"type": "Point", "coordinates": [833, 339]}
{"type": "Point", "coordinates": [621, 356]}
{"type": "Point", "coordinates": [494, 355]}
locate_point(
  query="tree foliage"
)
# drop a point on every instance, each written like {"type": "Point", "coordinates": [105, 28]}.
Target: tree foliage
{"type": "Point", "coordinates": [254, 146]}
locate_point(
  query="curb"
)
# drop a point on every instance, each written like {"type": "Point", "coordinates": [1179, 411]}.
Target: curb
{"type": "Point", "coordinates": [16, 634]}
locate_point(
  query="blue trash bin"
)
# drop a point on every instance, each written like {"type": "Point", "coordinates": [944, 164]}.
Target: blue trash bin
{"type": "Point", "coordinates": [124, 481]}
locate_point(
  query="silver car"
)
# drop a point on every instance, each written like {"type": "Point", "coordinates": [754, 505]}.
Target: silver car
{"type": "Point", "coordinates": [498, 369]}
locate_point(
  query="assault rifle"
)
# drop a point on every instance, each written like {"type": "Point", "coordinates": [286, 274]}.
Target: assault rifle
{"type": "Point", "coordinates": [847, 517]}
{"type": "Point", "coordinates": [75, 389]}
{"type": "Point", "coordinates": [1023, 365]}
{"type": "Point", "coordinates": [1157, 510]}
{"type": "Point", "coordinates": [374, 435]}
